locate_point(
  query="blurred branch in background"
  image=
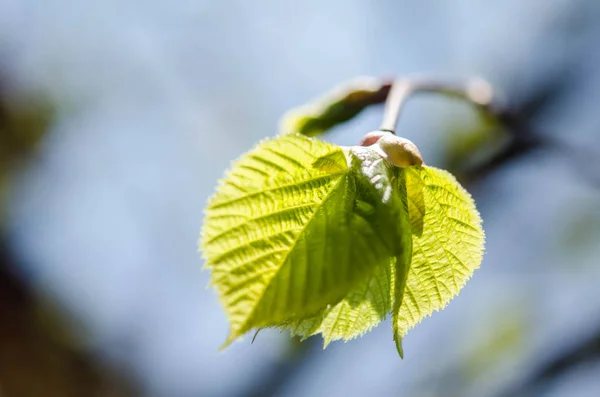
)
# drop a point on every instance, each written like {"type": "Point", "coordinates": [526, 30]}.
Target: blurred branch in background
{"type": "Point", "coordinates": [38, 356]}
{"type": "Point", "coordinates": [508, 129]}
{"type": "Point", "coordinates": [585, 351]}
{"type": "Point", "coordinates": [22, 124]}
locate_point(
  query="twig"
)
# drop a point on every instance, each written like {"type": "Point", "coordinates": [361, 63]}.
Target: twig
{"type": "Point", "coordinates": [476, 91]}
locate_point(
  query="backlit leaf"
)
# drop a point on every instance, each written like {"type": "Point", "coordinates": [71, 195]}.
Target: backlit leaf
{"type": "Point", "coordinates": [447, 247]}
{"type": "Point", "coordinates": [315, 238]}
{"type": "Point", "coordinates": [297, 224]}
{"type": "Point", "coordinates": [448, 242]}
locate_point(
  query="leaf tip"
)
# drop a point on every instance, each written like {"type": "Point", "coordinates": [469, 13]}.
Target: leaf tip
{"type": "Point", "coordinates": [326, 342]}
{"type": "Point", "coordinates": [233, 335]}
{"type": "Point", "coordinates": [398, 342]}
{"type": "Point", "coordinates": [224, 345]}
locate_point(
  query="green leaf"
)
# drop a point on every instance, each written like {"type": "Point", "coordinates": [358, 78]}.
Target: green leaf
{"type": "Point", "coordinates": [447, 241]}
{"type": "Point", "coordinates": [363, 308]}
{"type": "Point", "coordinates": [314, 238]}
{"type": "Point", "coordinates": [369, 302]}
{"type": "Point", "coordinates": [295, 226]}
{"type": "Point", "coordinates": [448, 244]}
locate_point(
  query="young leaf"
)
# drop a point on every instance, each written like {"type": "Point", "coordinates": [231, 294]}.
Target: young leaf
{"type": "Point", "coordinates": [297, 224]}
{"type": "Point", "coordinates": [314, 238]}
{"type": "Point", "coordinates": [339, 105]}
{"type": "Point", "coordinates": [367, 304]}
{"type": "Point", "coordinates": [401, 264]}
{"type": "Point", "coordinates": [448, 243]}
{"type": "Point", "coordinates": [363, 308]}
{"type": "Point", "coordinates": [447, 247]}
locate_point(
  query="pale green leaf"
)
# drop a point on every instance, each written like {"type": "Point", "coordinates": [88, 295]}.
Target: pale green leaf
{"type": "Point", "coordinates": [369, 302]}
{"type": "Point", "coordinates": [447, 247]}
{"type": "Point", "coordinates": [448, 243]}
{"type": "Point", "coordinates": [295, 225]}
{"type": "Point", "coordinates": [365, 306]}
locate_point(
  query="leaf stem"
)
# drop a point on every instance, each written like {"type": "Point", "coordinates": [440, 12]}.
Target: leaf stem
{"type": "Point", "coordinates": [476, 90]}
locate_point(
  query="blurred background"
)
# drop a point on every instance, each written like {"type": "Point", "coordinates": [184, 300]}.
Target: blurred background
{"type": "Point", "coordinates": [118, 117]}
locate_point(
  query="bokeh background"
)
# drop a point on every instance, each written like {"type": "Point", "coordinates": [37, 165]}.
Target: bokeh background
{"type": "Point", "coordinates": [118, 117]}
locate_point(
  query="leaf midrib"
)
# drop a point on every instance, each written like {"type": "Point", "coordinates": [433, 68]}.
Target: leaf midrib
{"type": "Point", "coordinates": [293, 246]}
